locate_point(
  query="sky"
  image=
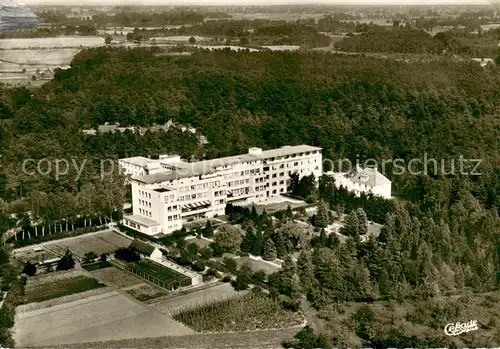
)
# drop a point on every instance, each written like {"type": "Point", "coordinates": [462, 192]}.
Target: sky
{"type": "Point", "coordinates": [254, 2]}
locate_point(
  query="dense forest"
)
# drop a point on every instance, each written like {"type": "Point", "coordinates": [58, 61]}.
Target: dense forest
{"type": "Point", "coordinates": [441, 234]}
{"type": "Point", "coordinates": [408, 39]}
{"type": "Point", "coordinates": [388, 39]}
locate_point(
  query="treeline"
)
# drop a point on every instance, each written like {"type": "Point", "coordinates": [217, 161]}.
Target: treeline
{"type": "Point", "coordinates": [255, 32]}
{"type": "Point", "coordinates": [125, 18]}
{"type": "Point", "coordinates": [50, 32]}
{"type": "Point", "coordinates": [400, 40]}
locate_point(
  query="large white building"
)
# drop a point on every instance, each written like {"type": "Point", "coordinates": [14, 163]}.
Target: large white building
{"type": "Point", "coordinates": [367, 180]}
{"type": "Point", "coordinates": [168, 191]}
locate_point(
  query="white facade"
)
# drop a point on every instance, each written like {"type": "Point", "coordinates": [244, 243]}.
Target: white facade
{"type": "Point", "coordinates": [368, 180]}
{"type": "Point", "coordinates": [175, 191]}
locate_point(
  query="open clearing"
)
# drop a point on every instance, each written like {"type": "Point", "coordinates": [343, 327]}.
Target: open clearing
{"type": "Point", "coordinates": [257, 265]}
{"type": "Point", "coordinates": [202, 243]}
{"type": "Point", "coordinates": [105, 317]}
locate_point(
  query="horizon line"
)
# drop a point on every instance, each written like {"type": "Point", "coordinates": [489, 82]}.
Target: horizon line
{"type": "Point", "coordinates": [257, 3]}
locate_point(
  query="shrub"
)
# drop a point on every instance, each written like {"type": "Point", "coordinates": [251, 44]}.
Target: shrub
{"type": "Point", "coordinates": [66, 262]}
{"type": "Point", "coordinates": [199, 266]}
{"type": "Point", "coordinates": [29, 269]}
{"type": "Point", "coordinates": [127, 254]}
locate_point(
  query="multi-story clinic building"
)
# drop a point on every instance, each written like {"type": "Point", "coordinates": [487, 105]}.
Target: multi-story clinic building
{"type": "Point", "coordinates": [168, 191]}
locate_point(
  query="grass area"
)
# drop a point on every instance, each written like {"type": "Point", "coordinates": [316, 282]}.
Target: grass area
{"type": "Point", "coordinates": [159, 272]}
{"type": "Point", "coordinates": [119, 278]}
{"type": "Point", "coordinates": [62, 288]}
{"type": "Point", "coordinates": [96, 266]}
{"type": "Point", "coordinates": [249, 312]}
{"type": "Point", "coordinates": [257, 265]}
{"type": "Point", "coordinates": [146, 292]}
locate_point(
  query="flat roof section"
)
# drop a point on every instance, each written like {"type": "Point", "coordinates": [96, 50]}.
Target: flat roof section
{"type": "Point", "coordinates": [142, 220]}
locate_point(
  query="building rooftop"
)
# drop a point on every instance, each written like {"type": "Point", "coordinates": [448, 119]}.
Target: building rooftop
{"type": "Point", "coordinates": [189, 171]}
{"type": "Point", "coordinates": [287, 150]}
{"type": "Point", "coordinates": [138, 160]}
{"type": "Point", "coordinates": [142, 220]}
{"type": "Point", "coordinates": [369, 176]}
{"type": "Point", "coordinates": [183, 169]}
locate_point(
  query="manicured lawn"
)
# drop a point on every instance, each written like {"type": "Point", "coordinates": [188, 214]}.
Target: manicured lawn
{"type": "Point", "coordinates": [246, 313]}
{"type": "Point", "coordinates": [61, 288]}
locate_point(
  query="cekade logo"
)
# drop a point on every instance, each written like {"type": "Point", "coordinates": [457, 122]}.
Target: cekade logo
{"type": "Point", "coordinates": [458, 328]}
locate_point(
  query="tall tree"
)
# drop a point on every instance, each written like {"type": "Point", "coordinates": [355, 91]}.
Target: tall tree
{"type": "Point", "coordinates": [322, 218]}
{"type": "Point", "coordinates": [269, 251]}
{"type": "Point", "coordinates": [362, 221]}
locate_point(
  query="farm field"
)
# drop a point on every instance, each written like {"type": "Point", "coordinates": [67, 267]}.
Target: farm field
{"type": "Point", "coordinates": [61, 288]}
{"type": "Point", "coordinates": [196, 298]}
{"type": "Point", "coordinates": [105, 317]}
{"type": "Point", "coordinates": [22, 58]}
{"type": "Point", "coordinates": [55, 42]}
{"type": "Point", "coordinates": [247, 313]}
{"type": "Point", "coordinates": [271, 339]}
{"type": "Point", "coordinates": [116, 277]}
{"type": "Point", "coordinates": [257, 265]}
{"type": "Point", "coordinates": [145, 292]}
{"type": "Point", "coordinates": [180, 38]}
{"type": "Point", "coordinates": [37, 58]}
{"type": "Point", "coordinates": [291, 17]}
